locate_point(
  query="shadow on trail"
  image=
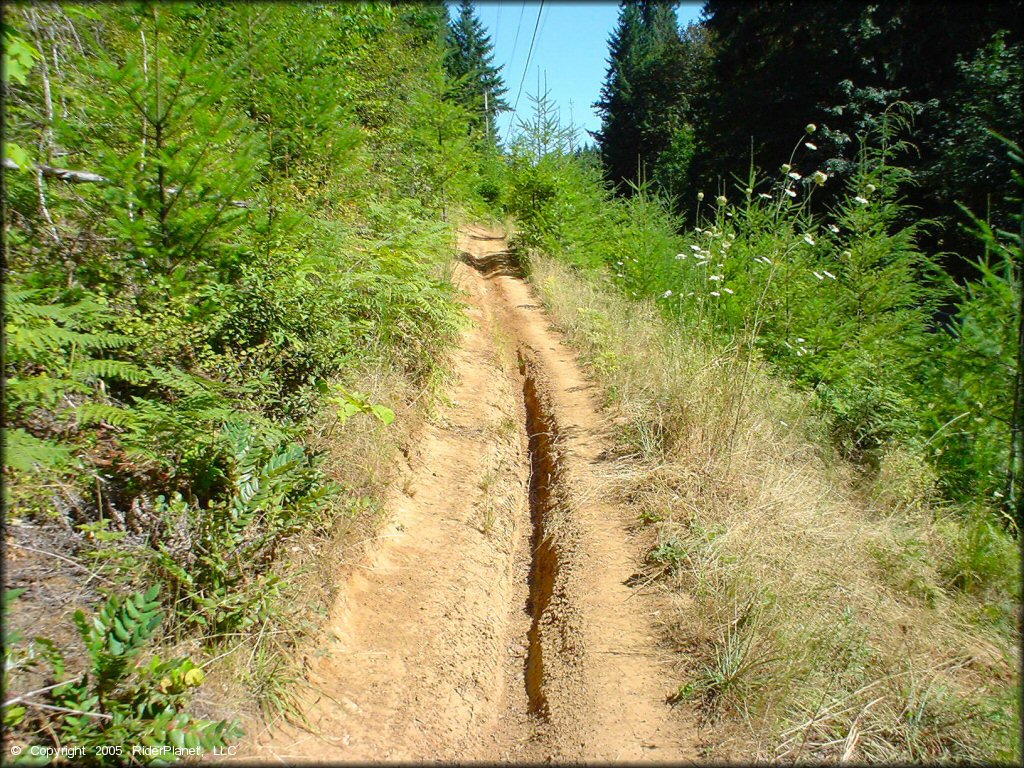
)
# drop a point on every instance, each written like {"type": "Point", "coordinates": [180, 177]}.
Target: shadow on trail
{"type": "Point", "coordinates": [500, 263]}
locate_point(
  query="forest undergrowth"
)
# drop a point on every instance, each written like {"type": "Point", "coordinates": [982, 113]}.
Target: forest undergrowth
{"type": "Point", "coordinates": [823, 467]}
{"type": "Point", "coordinates": [219, 326]}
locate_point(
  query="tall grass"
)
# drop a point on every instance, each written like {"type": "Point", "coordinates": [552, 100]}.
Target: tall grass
{"type": "Point", "coordinates": [818, 618]}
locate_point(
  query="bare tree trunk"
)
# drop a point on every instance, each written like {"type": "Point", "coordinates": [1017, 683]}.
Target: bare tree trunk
{"type": "Point", "coordinates": [1015, 470]}
{"type": "Point", "coordinates": [158, 141]}
{"type": "Point", "coordinates": [46, 135]}
{"type": "Point", "coordinates": [142, 127]}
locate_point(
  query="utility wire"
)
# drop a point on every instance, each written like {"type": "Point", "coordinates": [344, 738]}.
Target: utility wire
{"type": "Point", "coordinates": [515, 42]}
{"type": "Point", "coordinates": [526, 68]}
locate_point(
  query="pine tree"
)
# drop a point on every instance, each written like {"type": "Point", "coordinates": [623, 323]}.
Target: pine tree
{"type": "Point", "coordinates": [470, 64]}
{"type": "Point", "coordinates": [619, 136]}
{"type": "Point", "coordinates": [642, 102]}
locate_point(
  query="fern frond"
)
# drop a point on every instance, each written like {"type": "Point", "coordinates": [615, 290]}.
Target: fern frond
{"type": "Point", "coordinates": [25, 452]}
{"type": "Point", "coordinates": [91, 413]}
{"type": "Point", "coordinates": [178, 381]}
{"type": "Point", "coordinates": [112, 369]}
{"type": "Point", "coordinates": [42, 389]}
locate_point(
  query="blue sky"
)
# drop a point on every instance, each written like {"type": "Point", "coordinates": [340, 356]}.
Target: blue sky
{"type": "Point", "coordinates": [571, 49]}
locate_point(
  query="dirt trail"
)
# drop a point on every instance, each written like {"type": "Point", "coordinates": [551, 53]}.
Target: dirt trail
{"type": "Point", "coordinates": [492, 620]}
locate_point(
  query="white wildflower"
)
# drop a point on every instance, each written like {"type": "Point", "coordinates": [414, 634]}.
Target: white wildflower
{"type": "Point", "coordinates": [765, 196]}
{"type": "Point", "coordinates": [820, 177]}
{"type": "Point", "coordinates": [808, 239]}
{"type": "Point", "coordinates": [666, 294]}
{"type": "Point", "coordinates": [700, 196]}
{"type": "Point", "coordinates": [833, 229]}
{"type": "Point", "coordinates": [715, 293]}
{"type": "Point", "coordinates": [847, 255]}
{"type": "Point", "coordinates": [810, 146]}
{"type": "Point", "coordinates": [728, 290]}
{"type": "Point", "coordinates": [721, 200]}
{"type": "Point", "coordinates": [695, 248]}
{"type": "Point", "coordinates": [716, 278]}
{"type": "Point", "coordinates": [871, 188]}
{"type": "Point", "coordinates": [790, 192]}
{"type": "Point", "coordinates": [818, 276]}
{"type": "Point", "coordinates": [801, 340]}
{"type": "Point", "coordinates": [794, 176]}
{"type": "Point", "coordinates": [828, 274]}
{"type": "Point", "coordinates": [861, 200]}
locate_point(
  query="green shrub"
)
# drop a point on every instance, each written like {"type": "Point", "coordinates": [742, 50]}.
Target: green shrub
{"type": "Point", "coordinates": [119, 701]}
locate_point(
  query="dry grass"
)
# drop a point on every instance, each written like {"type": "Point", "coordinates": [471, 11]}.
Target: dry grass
{"type": "Point", "coordinates": [817, 614]}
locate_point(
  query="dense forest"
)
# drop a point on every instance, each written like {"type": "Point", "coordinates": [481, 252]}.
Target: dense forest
{"type": "Point", "coordinates": [228, 300]}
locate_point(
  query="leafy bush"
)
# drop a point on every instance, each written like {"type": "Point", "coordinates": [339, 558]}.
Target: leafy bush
{"type": "Point", "coordinates": [119, 701]}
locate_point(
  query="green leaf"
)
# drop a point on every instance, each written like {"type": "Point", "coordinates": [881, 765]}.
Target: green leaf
{"type": "Point", "coordinates": [386, 415]}
{"type": "Point", "coordinates": [27, 452]}
{"type": "Point", "coordinates": [18, 155]}
{"type": "Point", "coordinates": [13, 716]}
{"type": "Point", "coordinates": [19, 57]}
{"type": "Point", "coordinates": [10, 595]}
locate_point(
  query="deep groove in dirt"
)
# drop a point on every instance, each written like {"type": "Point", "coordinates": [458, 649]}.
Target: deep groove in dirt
{"type": "Point", "coordinates": [545, 468]}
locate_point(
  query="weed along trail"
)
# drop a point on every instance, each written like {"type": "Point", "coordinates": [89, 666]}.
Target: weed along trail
{"type": "Point", "coordinates": [491, 619]}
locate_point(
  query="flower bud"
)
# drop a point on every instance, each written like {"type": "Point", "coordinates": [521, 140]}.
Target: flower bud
{"type": "Point", "coordinates": [786, 167]}
{"type": "Point", "coordinates": [700, 196]}
{"type": "Point", "coordinates": [721, 200]}
{"type": "Point", "coordinates": [820, 178]}
{"type": "Point", "coordinates": [811, 128]}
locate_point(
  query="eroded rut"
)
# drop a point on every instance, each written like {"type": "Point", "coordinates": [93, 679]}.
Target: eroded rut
{"type": "Point", "coordinates": [428, 653]}
{"type": "Point", "coordinates": [542, 434]}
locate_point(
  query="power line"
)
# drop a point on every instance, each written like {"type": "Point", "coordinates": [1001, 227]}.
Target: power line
{"type": "Point", "coordinates": [515, 42]}
{"type": "Point", "coordinates": [526, 68]}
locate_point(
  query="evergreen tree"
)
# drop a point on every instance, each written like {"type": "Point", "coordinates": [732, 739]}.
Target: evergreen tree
{"type": "Point", "coordinates": [780, 65]}
{"type": "Point", "coordinates": [642, 104]}
{"type": "Point", "coordinates": [470, 64]}
{"type": "Point", "coordinates": [619, 136]}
